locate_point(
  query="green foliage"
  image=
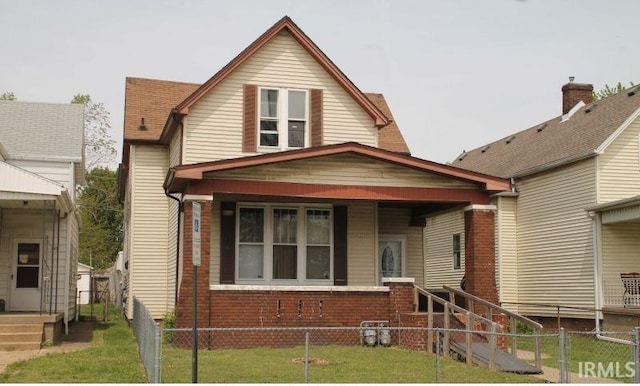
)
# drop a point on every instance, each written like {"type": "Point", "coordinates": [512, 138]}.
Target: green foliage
{"type": "Point", "coordinates": [8, 96]}
{"type": "Point", "coordinates": [168, 321]}
{"type": "Point", "coordinates": [608, 91]}
{"type": "Point", "coordinates": [522, 328]}
{"type": "Point", "coordinates": [99, 147]}
{"type": "Point", "coordinates": [102, 230]}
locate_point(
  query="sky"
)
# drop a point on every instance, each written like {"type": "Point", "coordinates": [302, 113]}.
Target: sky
{"type": "Point", "coordinates": [457, 74]}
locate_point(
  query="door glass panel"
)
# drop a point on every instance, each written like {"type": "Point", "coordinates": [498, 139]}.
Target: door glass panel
{"type": "Point", "coordinates": [28, 265]}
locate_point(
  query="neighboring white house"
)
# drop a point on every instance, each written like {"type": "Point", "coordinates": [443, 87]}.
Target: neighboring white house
{"type": "Point", "coordinates": [41, 163]}
{"type": "Point", "coordinates": [570, 225]}
{"type": "Point", "coordinates": [84, 283]}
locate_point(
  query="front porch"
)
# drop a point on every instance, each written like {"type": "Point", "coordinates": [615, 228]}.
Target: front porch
{"type": "Point", "coordinates": [29, 330]}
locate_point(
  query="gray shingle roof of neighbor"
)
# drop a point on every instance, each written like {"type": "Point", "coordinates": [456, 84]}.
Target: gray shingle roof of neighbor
{"type": "Point", "coordinates": [48, 131]}
{"type": "Point", "coordinates": [553, 142]}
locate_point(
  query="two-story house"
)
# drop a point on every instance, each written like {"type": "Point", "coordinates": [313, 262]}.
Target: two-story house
{"type": "Point", "coordinates": [41, 163]}
{"type": "Point", "coordinates": [569, 228]}
{"type": "Point", "coordinates": [311, 208]}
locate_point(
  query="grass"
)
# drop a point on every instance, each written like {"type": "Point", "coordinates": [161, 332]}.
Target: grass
{"type": "Point", "coordinates": [583, 348]}
{"type": "Point", "coordinates": [334, 364]}
{"type": "Point", "coordinates": [111, 358]}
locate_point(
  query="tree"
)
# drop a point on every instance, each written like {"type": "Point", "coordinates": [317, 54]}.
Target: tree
{"type": "Point", "coordinates": [8, 96]}
{"type": "Point", "coordinates": [99, 146]}
{"type": "Point", "coordinates": [608, 91]}
{"type": "Point", "coordinates": [101, 213]}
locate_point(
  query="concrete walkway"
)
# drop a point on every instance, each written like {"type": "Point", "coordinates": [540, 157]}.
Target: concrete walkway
{"type": "Point", "coordinates": [79, 338]}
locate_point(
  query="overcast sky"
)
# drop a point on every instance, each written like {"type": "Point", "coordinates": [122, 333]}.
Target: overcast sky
{"type": "Point", "coordinates": [456, 74]}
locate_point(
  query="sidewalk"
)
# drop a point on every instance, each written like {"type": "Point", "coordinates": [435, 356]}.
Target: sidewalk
{"type": "Point", "coordinates": [79, 338]}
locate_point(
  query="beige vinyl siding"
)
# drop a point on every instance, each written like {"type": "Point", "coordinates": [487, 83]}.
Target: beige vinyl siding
{"type": "Point", "coordinates": [555, 246]}
{"type": "Point", "coordinates": [343, 170]}
{"type": "Point", "coordinates": [619, 166]}
{"type": "Point", "coordinates": [175, 148]}
{"type": "Point", "coordinates": [620, 247]}
{"type": "Point", "coordinates": [360, 244]}
{"type": "Point", "coordinates": [72, 266]}
{"type": "Point", "coordinates": [438, 245]}
{"type": "Point", "coordinates": [213, 128]}
{"type": "Point", "coordinates": [214, 267]}
{"type": "Point", "coordinates": [507, 251]}
{"type": "Point", "coordinates": [395, 221]}
{"type": "Point", "coordinates": [149, 267]}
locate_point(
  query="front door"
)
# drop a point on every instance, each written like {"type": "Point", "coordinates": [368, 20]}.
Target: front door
{"type": "Point", "coordinates": [26, 276]}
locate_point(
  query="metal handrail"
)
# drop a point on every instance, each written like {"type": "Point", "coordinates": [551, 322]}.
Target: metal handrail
{"type": "Point", "coordinates": [496, 307]}
{"type": "Point", "coordinates": [513, 317]}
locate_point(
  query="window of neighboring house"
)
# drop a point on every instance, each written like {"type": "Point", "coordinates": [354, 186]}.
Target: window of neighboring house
{"type": "Point", "coordinates": [277, 244]}
{"type": "Point", "coordinates": [283, 118]}
{"type": "Point", "coordinates": [457, 256]}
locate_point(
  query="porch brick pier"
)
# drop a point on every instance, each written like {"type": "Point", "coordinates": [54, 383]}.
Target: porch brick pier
{"type": "Point", "coordinates": [480, 272]}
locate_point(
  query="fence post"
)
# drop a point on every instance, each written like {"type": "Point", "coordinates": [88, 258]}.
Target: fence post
{"type": "Point", "coordinates": [306, 357]}
{"type": "Point", "coordinates": [468, 337]}
{"type": "Point", "coordinates": [437, 355]}
{"type": "Point", "coordinates": [562, 356]}
{"type": "Point", "coordinates": [636, 354]}
{"type": "Point", "coordinates": [158, 356]}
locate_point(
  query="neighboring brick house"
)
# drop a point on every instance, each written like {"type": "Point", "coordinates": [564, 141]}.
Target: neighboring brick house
{"type": "Point", "coordinates": [570, 226]}
{"type": "Point", "coordinates": [39, 223]}
{"type": "Point", "coordinates": [309, 197]}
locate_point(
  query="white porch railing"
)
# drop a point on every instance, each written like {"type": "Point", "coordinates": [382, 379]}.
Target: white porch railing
{"type": "Point", "coordinates": [615, 295]}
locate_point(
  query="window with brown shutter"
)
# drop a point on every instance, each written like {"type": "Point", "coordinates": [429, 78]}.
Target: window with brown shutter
{"type": "Point", "coordinates": [340, 245]}
{"type": "Point", "coordinates": [250, 118]}
{"type": "Point", "coordinates": [316, 117]}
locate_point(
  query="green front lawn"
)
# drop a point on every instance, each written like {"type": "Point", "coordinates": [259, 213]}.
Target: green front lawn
{"type": "Point", "coordinates": [330, 364]}
{"type": "Point", "coordinates": [111, 358]}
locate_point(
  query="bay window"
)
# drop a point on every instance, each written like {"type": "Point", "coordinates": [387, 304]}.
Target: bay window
{"type": "Point", "coordinates": [284, 244]}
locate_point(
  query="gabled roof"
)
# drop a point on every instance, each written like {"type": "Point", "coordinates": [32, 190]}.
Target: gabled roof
{"type": "Point", "coordinates": [154, 100]}
{"type": "Point", "coordinates": [181, 175]}
{"type": "Point", "coordinates": [553, 143]}
{"type": "Point", "coordinates": [287, 24]}
{"type": "Point", "coordinates": [44, 131]}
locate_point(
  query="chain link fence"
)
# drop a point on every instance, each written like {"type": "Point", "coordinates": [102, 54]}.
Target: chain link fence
{"type": "Point", "coordinates": [148, 336]}
{"type": "Point", "coordinates": [378, 353]}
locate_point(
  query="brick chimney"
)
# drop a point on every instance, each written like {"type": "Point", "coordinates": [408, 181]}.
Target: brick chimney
{"type": "Point", "coordinates": [572, 93]}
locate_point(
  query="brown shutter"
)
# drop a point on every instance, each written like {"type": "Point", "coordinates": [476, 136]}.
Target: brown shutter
{"type": "Point", "coordinates": [249, 118]}
{"type": "Point", "coordinates": [316, 117]}
{"type": "Point", "coordinates": [340, 245]}
{"type": "Point", "coordinates": [227, 243]}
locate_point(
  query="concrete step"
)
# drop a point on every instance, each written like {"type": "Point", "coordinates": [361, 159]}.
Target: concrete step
{"type": "Point", "coordinates": [21, 337]}
{"type": "Point", "coordinates": [21, 327]}
{"type": "Point", "coordinates": [15, 346]}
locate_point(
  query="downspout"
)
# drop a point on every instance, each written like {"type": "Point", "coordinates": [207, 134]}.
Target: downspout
{"type": "Point", "coordinates": [166, 193]}
{"type": "Point", "coordinates": [68, 271]}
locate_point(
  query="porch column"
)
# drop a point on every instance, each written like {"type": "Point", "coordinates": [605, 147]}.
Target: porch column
{"type": "Point", "coordinates": [479, 251]}
{"type": "Point", "coordinates": [184, 313]}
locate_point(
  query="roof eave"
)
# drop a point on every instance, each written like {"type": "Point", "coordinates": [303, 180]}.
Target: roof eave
{"type": "Point", "coordinates": [554, 164]}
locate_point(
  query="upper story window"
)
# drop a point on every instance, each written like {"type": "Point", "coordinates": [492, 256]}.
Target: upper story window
{"type": "Point", "coordinates": [283, 118]}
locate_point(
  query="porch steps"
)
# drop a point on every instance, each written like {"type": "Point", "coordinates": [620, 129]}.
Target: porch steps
{"type": "Point", "coordinates": [21, 336]}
